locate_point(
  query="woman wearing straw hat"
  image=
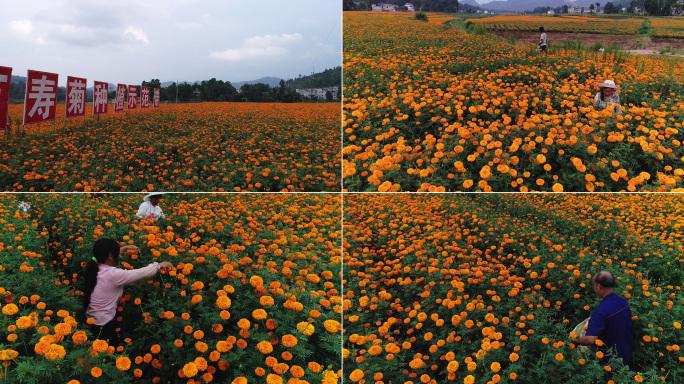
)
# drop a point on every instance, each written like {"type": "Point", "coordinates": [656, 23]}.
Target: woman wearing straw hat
{"type": "Point", "coordinates": [104, 287]}
{"type": "Point", "coordinates": [607, 97]}
{"type": "Point", "coordinates": [150, 208]}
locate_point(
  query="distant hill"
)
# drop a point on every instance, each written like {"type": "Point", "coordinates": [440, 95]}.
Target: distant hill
{"type": "Point", "coordinates": [523, 5]}
{"type": "Point", "coordinates": [328, 78]}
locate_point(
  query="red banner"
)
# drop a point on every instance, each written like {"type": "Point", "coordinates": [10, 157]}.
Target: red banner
{"type": "Point", "coordinates": [41, 97]}
{"type": "Point", "coordinates": [132, 96]}
{"type": "Point", "coordinates": [75, 97]}
{"type": "Point", "coordinates": [120, 97]}
{"type": "Point", "coordinates": [5, 81]}
{"type": "Point", "coordinates": [100, 97]}
{"type": "Point", "coordinates": [145, 97]}
{"type": "Point", "coordinates": [157, 94]}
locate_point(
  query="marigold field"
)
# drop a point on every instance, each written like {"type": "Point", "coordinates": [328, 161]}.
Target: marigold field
{"type": "Point", "coordinates": [253, 298]}
{"type": "Point", "coordinates": [429, 108]}
{"type": "Point", "coordinates": [487, 288]}
{"type": "Point", "coordinates": [190, 147]}
{"type": "Point", "coordinates": [565, 23]}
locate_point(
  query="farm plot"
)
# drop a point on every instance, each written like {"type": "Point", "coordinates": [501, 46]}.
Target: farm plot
{"type": "Point", "coordinates": [487, 288]}
{"type": "Point", "coordinates": [427, 108]}
{"type": "Point", "coordinates": [191, 147]}
{"type": "Point", "coordinates": [253, 296]}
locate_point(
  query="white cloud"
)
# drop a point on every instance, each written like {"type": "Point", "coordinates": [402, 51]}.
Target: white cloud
{"type": "Point", "coordinates": [257, 47]}
{"type": "Point", "coordinates": [187, 25]}
{"type": "Point", "coordinates": [137, 33]}
{"type": "Point", "coordinates": [23, 27]}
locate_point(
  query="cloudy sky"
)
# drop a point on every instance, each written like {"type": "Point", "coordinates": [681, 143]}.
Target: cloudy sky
{"type": "Point", "coordinates": [128, 41]}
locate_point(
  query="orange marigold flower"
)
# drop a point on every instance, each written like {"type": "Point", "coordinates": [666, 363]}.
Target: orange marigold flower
{"type": "Point", "coordinates": [123, 363]}
{"type": "Point", "coordinates": [289, 340]}
{"type": "Point", "coordinates": [96, 372]}
{"type": "Point", "coordinates": [356, 375]}
{"type": "Point", "coordinates": [190, 370]}
{"type": "Point", "coordinates": [259, 314]}
{"type": "Point", "coordinates": [265, 347]}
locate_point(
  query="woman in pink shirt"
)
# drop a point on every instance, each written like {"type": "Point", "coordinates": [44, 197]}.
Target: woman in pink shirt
{"type": "Point", "coordinates": [104, 286]}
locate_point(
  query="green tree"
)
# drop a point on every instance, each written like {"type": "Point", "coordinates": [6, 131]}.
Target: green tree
{"type": "Point", "coordinates": [348, 5]}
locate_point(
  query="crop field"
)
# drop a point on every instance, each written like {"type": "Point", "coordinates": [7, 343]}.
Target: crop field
{"type": "Point", "coordinates": [578, 24]}
{"type": "Point", "coordinates": [253, 298]}
{"type": "Point", "coordinates": [190, 147]}
{"type": "Point", "coordinates": [664, 27]}
{"type": "Point", "coordinates": [428, 108]}
{"type": "Point", "coordinates": [487, 288]}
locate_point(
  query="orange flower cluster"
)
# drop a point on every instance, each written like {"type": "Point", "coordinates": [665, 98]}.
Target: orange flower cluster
{"type": "Point", "coordinates": [563, 23]}
{"type": "Point", "coordinates": [191, 147]}
{"type": "Point", "coordinates": [451, 287]}
{"type": "Point", "coordinates": [431, 109]}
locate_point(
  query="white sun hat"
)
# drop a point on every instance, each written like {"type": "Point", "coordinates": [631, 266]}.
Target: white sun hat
{"type": "Point", "coordinates": [608, 84]}
{"type": "Point", "coordinates": [147, 198]}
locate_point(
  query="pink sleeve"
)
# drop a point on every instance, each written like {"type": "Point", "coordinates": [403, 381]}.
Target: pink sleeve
{"type": "Point", "coordinates": [125, 277]}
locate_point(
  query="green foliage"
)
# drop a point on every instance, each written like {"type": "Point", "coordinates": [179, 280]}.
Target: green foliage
{"type": "Point", "coordinates": [421, 16]}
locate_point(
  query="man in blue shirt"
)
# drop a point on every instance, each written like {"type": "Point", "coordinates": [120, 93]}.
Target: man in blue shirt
{"type": "Point", "coordinates": [611, 321]}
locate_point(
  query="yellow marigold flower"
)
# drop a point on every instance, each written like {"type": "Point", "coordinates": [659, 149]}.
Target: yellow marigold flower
{"type": "Point", "coordinates": [24, 322]}
{"type": "Point", "coordinates": [239, 380]}
{"type": "Point", "coordinates": [559, 356]}
{"type": "Point", "coordinates": [10, 309]}
{"type": "Point", "coordinates": [513, 357]}
{"type": "Point", "coordinates": [305, 328]}
{"type": "Point", "coordinates": [332, 326]}
{"type": "Point", "coordinates": [470, 379]}
{"type": "Point", "coordinates": [123, 363]}
{"type": "Point", "coordinates": [452, 366]}
{"type": "Point", "coordinates": [496, 367]}
{"type": "Point", "coordinates": [196, 299]}
{"type": "Point", "coordinates": [8, 354]}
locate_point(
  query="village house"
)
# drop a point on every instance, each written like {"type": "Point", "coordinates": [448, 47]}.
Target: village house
{"type": "Point", "coordinates": [574, 9]}
{"type": "Point", "coordinates": [410, 7]}
{"type": "Point", "coordinates": [382, 7]}
{"type": "Point", "coordinates": [318, 93]}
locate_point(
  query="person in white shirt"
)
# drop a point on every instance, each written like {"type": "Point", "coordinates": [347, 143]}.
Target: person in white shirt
{"type": "Point", "coordinates": [150, 208]}
{"type": "Point", "coordinates": [104, 284]}
{"type": "Point", "coordinates": [542, 40]}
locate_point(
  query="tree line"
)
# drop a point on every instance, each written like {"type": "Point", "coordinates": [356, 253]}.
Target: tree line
{"type": "Point", "coordinates": [450, 6]}
{"type": "Point", "coordinates": [219, 90]}
{"type": "Point", "coordinates": [650, 7]}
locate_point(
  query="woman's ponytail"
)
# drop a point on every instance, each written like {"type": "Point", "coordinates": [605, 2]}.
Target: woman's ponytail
{"type": "Point", "coordinates": [101, 250]}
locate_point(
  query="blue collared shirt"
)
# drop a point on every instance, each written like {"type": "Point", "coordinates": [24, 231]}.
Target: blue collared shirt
{"type": "Point", "coordinates": [611, 322]}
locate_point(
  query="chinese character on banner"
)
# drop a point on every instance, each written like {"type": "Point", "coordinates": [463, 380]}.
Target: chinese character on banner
{"type": "Point", "coordinates": [75, 97]}
{"type": "Point", "coordinates": [132, 96]}
{"type": "Point", "coordinates": [41, 97]}
{"type": "Point", "coordinates": [157, 93]}
{"type": "Point", "coordinates": [5, 80]}
{"type": "Point", "coordinates": [145, 97]}
{"type": "Point", "coordinates": [120, 97]}
{"type": "Point", "coordinates": [100, 97]}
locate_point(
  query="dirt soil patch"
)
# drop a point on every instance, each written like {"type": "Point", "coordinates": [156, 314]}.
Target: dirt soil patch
{"type": "Point", "coordinates": [625, 42]}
